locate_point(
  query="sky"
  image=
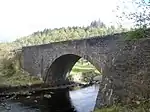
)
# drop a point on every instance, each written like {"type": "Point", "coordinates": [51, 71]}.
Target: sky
{"type": "Point", "coordinates": [20, 18]}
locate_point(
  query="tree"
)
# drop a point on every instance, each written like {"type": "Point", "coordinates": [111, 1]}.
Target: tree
{"type": "Point", "coordinates": [97, 24]}
{"type": "Point", "coordinates": [136, 11]}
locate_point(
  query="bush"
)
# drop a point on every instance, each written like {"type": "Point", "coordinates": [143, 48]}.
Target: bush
{"type": "Point", "coordinates": [137, 34]}
{"type": "Point", "coordinates": [10, 64]}
{"type": "Point", "coordinates": [88, 76]}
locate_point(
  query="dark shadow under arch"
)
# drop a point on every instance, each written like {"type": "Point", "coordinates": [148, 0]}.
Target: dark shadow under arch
{"type": "Point", "coordinates": [56, 73]}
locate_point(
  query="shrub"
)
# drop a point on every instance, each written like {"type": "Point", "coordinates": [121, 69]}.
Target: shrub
{"type": "Point", "coordinates": [137, 34]}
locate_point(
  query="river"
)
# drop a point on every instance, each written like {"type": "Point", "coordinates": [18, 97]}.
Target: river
{"type": "Point", "coordinates": [82, 100]}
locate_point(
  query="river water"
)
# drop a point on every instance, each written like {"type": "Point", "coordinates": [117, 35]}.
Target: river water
{"type": "Point", "coordinates": [62, 100]}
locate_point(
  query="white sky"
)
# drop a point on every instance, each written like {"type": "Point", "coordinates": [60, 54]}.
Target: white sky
{"type": "Point", "coordinates": [23, 17]}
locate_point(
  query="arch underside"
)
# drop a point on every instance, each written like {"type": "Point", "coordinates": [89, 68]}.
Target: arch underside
{"type": "Point", "coordinates": [56, 74]}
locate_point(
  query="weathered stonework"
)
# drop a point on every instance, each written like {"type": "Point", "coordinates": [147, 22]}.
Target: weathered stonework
{"type": "Point", "coordinates": [125, 65]}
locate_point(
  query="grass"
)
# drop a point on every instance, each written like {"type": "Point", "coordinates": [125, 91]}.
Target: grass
{"type": "Point", "coordinates": [82, 68]}
{"type": "Point", "coordinates": [18, 79]}
{"type": "Point", "coordinates": [123, 109]}
{"type": "Point", "coordinates": [143, 106]}
{"type": "Point", "coordinates": [11, 73]}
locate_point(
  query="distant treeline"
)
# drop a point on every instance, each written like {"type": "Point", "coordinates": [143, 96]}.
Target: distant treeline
{"type": "Point", "coordinates": [96, 28]}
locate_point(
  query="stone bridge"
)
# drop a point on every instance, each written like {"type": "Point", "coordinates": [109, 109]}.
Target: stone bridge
{"type": "Point", "coordinates": [125, 65]}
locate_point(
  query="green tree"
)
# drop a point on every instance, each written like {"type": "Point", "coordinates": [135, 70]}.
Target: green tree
{"type": "Point", "coordinates": [97, 24]}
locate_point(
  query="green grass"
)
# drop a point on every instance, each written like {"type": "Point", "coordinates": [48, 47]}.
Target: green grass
{"type": "Point", "coordinates": [18, 79]}
{"type": "Point", "coordinates": [143, 106]}
{"type": "Point", "coordinates": [11, 73]}
{"type": "Point", "coordinates": [83, 67]}
{"type": "Point", "coordinates": [123, 109]}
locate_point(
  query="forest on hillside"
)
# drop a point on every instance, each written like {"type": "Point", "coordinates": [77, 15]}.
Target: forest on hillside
{"type": "Point", "coordinates": [96, 28]}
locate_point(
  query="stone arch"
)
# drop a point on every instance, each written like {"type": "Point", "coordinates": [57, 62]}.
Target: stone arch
{"type": "Point", "coordinates": [57, 71]}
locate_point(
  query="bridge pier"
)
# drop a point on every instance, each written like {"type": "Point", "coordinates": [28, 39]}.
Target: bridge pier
{"type": "Point", "coordinates": [127, 79]}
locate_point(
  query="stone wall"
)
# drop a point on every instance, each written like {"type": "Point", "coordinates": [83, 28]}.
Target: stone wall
{"type": "Point", "coordinates": [127, 78]}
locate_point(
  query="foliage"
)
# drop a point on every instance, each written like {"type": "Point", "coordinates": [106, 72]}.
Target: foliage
{"type": "Point", "coordinates": [10, 67]}
{"type": "Point", "coordinates": [20, 78]}
{"type": "Point", "coordinates": [97, 24]}
{"type": "Point", "coordinates": [11, 64]}
{"type": "Point", "coordinates": [137, 34]}
{"type": "Point", "coordinates": [96, 28]}
{"type": "Point", "coordinates": [88, 76]}
{"type": "Point", "coordinates": [136, 11]}
{"type": "Point", "coordinates": [85, 69]}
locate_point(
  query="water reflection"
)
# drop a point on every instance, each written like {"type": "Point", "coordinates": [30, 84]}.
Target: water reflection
{"type": "Point", "coordinates": [61, 101]}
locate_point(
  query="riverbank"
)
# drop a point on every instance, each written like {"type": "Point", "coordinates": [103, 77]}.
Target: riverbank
{"type": "Point", "coordinates": [143, 106]}
{"type": "Point", "coordinates": [36, 88]}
